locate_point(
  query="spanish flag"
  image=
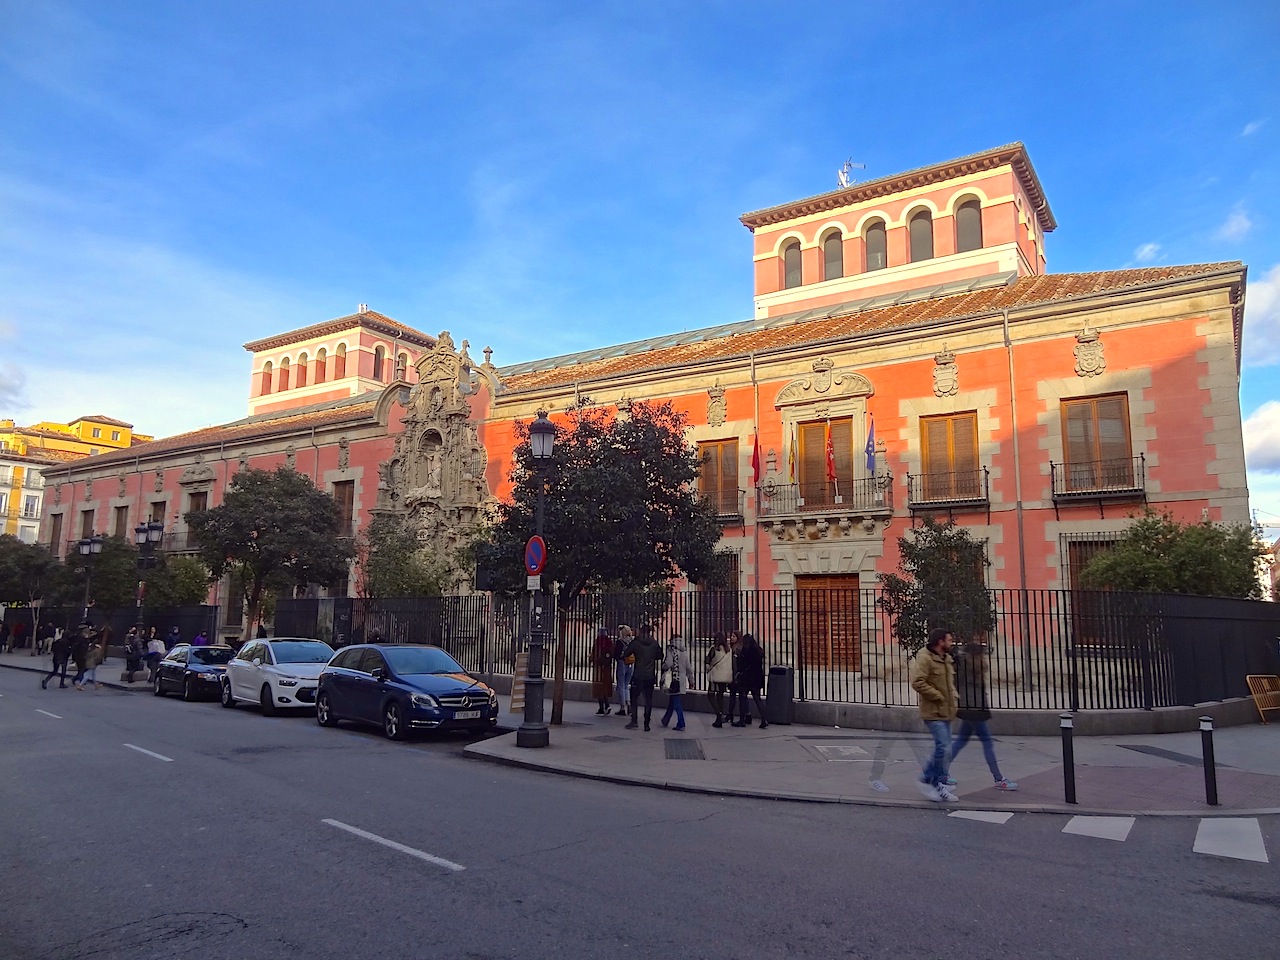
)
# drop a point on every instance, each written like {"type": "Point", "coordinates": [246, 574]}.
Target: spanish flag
{"type": "Point", "coordinates": [831, 456]}
{"type": "Point", "coordinates": [791, 457]}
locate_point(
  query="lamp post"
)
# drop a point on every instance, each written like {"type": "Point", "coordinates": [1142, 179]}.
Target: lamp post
{"type": "Point", "coordinates": [533, 731]}
{"type": "Point", "coordinates": [147, 536]}
{"type": "Point", "coordinates": [89, 548]}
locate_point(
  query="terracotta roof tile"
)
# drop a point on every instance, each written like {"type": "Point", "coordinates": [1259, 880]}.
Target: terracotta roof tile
{"type": "Point", "coordinates": [1025, 292]}
{"type": "Point", "coordinates": [370, 318]}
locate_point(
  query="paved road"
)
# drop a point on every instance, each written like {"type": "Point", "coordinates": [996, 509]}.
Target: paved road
{"type": "Point", "coordinates": [260, 838]}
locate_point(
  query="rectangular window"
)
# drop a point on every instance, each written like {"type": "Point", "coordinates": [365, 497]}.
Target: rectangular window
{"type": "Point", "coordinates": [4, 504]}
{"type": "Point", "coordinates": [816, 489]}
{"type": "Point", "coordinates": [120, 525]}
{"type": "Point", "coordinates": [344, 494]}
{"type": "Point", "coordinates": [1094, 620]}
{"type": "Point", "coordinates": [30, 506]}
{"type": "Point", "coordinates": [157, 511]}
{"type": "Point", "coordinates": [1096, 443]}
{"type": "Point", "coordinates": [115, 435]}
{"type": "Point", "coordinates": [950, 454]}
{"type": "Point", "coordinates": [55, 534]}
{"type": "Point", "coordinates": [718, 479]}
{"type": "Point", "coordinates": [4, 474]}
{"type": "Point", "coordinates": [719, 605]}
{"type": "Point", "coordinates": [27, 534]}
{"type": "Point", "coordinates": [94, 451]}
{"type": "Point", "coordinates": [197, 502]}
{"type": "Point", "coordinates": [97, 432]}
{"type": "Point", "coordinates": [34, 479]}
{"type": "Point", "coordinates": [86, 524]}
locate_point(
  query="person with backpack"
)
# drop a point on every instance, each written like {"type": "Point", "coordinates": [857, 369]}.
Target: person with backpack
{"type": "Point", "coordinates": [61, 648]}
{"type": "Point", "coordinates": [677, 667]}
{"type": "Point", "coordinates": [748, 678]}
{"type": "Point", "coordinates": [648, 654]}
{"type": "Point", "coordinates": [719, 662]}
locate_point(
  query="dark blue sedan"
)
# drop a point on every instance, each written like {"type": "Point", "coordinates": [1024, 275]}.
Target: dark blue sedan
{"type": "Point", "coordinates": [403, 688]}
{"type": "Point", "coordinates": [195, 672]}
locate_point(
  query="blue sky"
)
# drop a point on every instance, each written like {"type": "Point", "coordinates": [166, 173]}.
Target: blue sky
{"type": "Point", "coordinates": [179, 178]}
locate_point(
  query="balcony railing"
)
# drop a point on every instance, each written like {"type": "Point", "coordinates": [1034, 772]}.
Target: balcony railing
{"type": "Point", "coordinates": [180, 541]}
{"type": "Point", "coordinates": [871, 495]}
{"type": "Point", "coordinates": [729, 504]}
{"type": "Point", "coordinates": [1118, 479]}
{"type": "Point", "coordinates": [945, 491]}
{"type": "Point", "coordinates": [30, 514]}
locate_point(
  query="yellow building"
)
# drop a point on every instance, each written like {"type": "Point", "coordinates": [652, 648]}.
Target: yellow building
{"type": "Point", "coordinates": [22, 490]}
{"type": "Point", "coordinates": [83, 437]}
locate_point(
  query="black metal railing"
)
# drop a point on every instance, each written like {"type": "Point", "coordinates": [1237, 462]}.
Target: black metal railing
{"type": "Point", "coordinates": [870, 495]}
{"type": "Point", "coordinates": [729, 504]}
{"type": "Point", "coordinates": [180, 541]}
{"type": "Point", "coordinates": [958, 488]}
{"type": "Point", "coordinates": [1118, 478]}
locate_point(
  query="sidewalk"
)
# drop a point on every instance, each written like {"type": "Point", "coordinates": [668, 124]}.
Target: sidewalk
{"type": "Point", "coordinates": [1156, 775]}
{"type": "Point", "coordinates": [108, 673]}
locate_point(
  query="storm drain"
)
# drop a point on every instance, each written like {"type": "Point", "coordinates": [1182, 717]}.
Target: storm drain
{"type": "Point", "coordinates": [682, 749]}
{"type": "Point", "coordinates": [606, 738]}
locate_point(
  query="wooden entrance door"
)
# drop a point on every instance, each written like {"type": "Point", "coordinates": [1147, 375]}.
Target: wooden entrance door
{"type": "Point", "coordinates": [828, 630]}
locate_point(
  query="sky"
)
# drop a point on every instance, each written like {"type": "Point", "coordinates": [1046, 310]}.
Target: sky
{"type": "Point", "coordinates": [178, 179]}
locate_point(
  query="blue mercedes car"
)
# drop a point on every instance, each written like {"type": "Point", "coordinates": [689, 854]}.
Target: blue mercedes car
{"type": "Point", "coordinates": [403, 689]}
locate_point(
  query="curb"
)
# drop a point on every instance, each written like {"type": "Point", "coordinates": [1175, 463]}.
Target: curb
{"type": "Point", "coordinates": [907, 803]}
{"type": "Point", "coordinates": [113, 684]}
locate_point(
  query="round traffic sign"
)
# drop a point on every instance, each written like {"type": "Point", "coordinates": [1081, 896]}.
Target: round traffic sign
{"type": "Point", "coordinates": [535, 556]}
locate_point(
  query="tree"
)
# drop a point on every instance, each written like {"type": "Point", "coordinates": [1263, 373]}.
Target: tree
{"type": "Point", "coordinates": [178, 582]}
{"type": "Point", "coordinates": [112, 576]}
{"type": "Point", "coordinates": [28, 573]}
{"type": "Point", "coordinates": [272, 527]}
{"type": "Point", "coordinates": [621, 510]}
{"type": "Point", "coordinates": [940, 583]}
{"type": "Point", "coordinates": [392, 563]}
{"type": "Point", "coordinates": [1157, 554]}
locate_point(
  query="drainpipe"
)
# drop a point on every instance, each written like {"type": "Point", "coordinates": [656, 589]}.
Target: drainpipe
{"type": "Point", "coordinates": [755, 527]}
{"type": "Point", "coordinates": [1017, 451]}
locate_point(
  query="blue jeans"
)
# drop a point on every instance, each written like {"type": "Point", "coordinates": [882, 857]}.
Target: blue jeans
{"type": "Point", "coordinates": [967, 729]}
{"type": "Point", "coordinates": [935, 771]}
{"type": "Point", "coordinates": [673, 703]}
{"type": "Point", "coordinates": [625, 670]}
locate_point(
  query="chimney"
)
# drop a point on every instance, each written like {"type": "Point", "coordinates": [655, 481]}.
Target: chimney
{"type": "Point", "coordinates": [364, 308]}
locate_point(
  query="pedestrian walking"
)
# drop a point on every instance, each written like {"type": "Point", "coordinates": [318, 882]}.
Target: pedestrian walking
{"type": "Point", "coordinates": [6, 638]}
{"type": "Point", "coordinates": [624, 667]}
{"type": "Point", "coordinates": [155, 653]}
{"type": "Point", "coordinates": [648, 654]}
{"type": "Point", "coordinates": [719, 663]}
{"type": "Point", "coordinates": [61, 649]}
{"type": "Point", "coordinates": [933, 679]}
{"type": "Point", "coordinates": [748, 679]}
{"type": "Point", "coordinates": [134, 648]}
{"type": "Point", "coordinates": [680, 671]}
{"type": "Point", "coordinates": [975, 709]}
{"type": "Point", "coordinates": [602, 671]}
{"type": "Point", "coordinates": [95, 656]}
{"type": "Point", "coordinates": [80, 651]}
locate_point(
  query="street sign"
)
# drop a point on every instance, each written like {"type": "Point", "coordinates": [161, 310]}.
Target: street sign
{"type": "Point", "coordinates": [535, 556]}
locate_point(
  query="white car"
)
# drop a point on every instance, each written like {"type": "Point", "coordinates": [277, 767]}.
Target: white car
{"type": "Point", "coordinates": [275, 674]}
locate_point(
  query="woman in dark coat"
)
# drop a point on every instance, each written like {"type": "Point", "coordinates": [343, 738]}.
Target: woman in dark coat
{"type": "Point", "coordinates": [748, 678]}
{"type": "Point", "coordinates": [602, 672]}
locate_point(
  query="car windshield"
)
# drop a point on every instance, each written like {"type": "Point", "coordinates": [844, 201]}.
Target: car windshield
{"type": "Point", "coordinates": [301, 651]}
{"type": "Point", "coordinates": [407, 660]}
{"type": "Point", "coordinates": [210, 657]}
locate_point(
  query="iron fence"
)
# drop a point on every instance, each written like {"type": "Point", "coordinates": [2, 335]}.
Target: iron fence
{"type": "Point", "coordinates": [188, 620]}
{"type": "Point", "coordinates": [1049, 649]}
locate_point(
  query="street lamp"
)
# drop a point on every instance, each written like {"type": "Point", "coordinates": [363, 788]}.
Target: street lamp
{"type": "Point", "coordinates": [89, 548]}
{"type": "Point", "coordinates": [533, 731]}
{"type": "Point", "coordinates": [147, 536]}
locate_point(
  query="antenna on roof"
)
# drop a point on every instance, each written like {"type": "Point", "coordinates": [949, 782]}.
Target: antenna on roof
{"type": "Point", "coordinates": [844, 176]}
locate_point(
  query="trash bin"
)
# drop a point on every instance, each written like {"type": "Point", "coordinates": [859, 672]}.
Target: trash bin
{"type": "Point", "coordinates": [779, 700]}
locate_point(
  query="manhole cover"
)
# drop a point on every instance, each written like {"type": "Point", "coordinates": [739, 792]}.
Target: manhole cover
{"type": "Point", "coordinates": [606, 738]}
{"type": "Point", "coordinates": [682, 749]}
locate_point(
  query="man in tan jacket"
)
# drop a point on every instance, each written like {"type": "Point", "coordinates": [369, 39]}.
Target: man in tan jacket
{"type": "Point", "coordinates": [933, 679]}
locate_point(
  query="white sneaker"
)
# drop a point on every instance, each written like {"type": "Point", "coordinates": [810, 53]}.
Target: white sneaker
{"type": "Point", "coordinates": [930, 791]}
{"type": "Point", "coordinates": [944, 793]}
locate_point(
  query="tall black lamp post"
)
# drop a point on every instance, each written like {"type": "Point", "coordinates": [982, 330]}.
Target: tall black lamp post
{"type": "Point", "coordinates": [533, 731]}
{"type": "Point", "coordinates": [147, 536]}
{"type": "Point", "coordinates": [89, 548]}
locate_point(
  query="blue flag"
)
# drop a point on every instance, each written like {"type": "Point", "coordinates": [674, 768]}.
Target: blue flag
{"type": "Point", "coordinates": [871, 448]}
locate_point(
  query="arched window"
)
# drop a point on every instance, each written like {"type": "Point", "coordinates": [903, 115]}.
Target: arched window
{"type": "Point", "coordinates": [265, 386]}
{"type": "Point", "coordinates": [968, 226]}
{"type": "Point", "coordinates": [322, 360]}
{"type": "Point", "coordinates": [302, 371]}
{"type": "Point", "coordinates": [379, 363]}
{"type": "Point", "coordinates": [921, 236]}
{"type": "Point", "coordinates": [284, 375]}
{"type": "Point", "coordinates": [877, 246]}
{"type": "Point", "coordinates": [340, 362]}
{"type": "Point", "coordinates": [402, 366]}
{"type": "Point", "coordinates": [832, 256]}
{"type": "Point", "coordinates": [791, 265]}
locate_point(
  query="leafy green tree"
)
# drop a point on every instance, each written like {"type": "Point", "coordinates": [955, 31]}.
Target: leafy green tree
{"type": "Point", "coordinates": [392, 563]}
{"type": "Point", "coordinates": [112, 576]}
{"type": "Point", "coordinates": [940, 583]}
{"type": "Point", "coordinates": [621, 510]}
{"type": "Point", "coordinates": [180, 581]}
{"type": "Point", "coordinates": [272, 527]}
{"type": "Point", "coordinates": [28, 574]}
{"type": "Point", "coordinates": [1157, 554]}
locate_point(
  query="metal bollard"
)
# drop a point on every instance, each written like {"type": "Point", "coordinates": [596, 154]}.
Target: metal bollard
{"type": "Point", "coordinates": [1068, 758]}
{"type": "Point", "coordinates": [1210, 767]}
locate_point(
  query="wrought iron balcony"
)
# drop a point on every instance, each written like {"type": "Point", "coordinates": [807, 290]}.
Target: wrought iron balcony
{"type": "Point", "coordinates": [1122, 478]}
{"type": "Point", "coordinates": [729, 504]}
{"type": "Point", "coordinates": [180, 541]}
{"type": "Point", "coordinates": [949, 491]}
{"type": "Point", "coordinates": [868, 496]}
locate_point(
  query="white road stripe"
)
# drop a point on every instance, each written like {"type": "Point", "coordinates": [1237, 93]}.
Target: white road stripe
{"type": "Point", "coordinates": [1104, 828]}
{"type": "Point", "coordinates": [438, 861]}
{"type": "Point", "coordinates": [48, 714]}
{"type": "Point", "coordinates": [1237, 837]}
{"type": "Point", "coordinates": [158, 756]}
{"type": "Point", "coordinates": [986, 816]}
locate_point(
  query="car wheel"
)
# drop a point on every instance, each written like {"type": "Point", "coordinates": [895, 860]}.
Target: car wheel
{"type": "Point", "coordinates": [188, 690]}
{"type": "Point", "coordinates": [228, 699]}
{"type": "Point", "coordinates": [324, 712]}
{"type": "Point", "coordinates": [266, 702]}
{"type": "Point", "coordinates": [156, 687]}
{"type": "Point", "coordinates": [392, 721]}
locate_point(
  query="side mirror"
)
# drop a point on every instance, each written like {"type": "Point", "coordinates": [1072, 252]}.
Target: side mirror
{"type": "Point", "coordinates": [257, 661]}
{"type": "Point", "coordinates": [378, 674]}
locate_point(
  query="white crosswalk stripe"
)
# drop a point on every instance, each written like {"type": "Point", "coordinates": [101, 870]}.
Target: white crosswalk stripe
{"type": "Point", "coordinates": [986, 816]}
{"type": "Point", "coordinates": [1237, 837]}
{"type": "Point", "coordinates": [1104, 828]}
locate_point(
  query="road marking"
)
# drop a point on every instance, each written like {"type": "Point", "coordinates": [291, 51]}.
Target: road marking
{"type": "Point", "coordinates": [1104, 828]}
{"type": "Point", "coordinates": [48, 714]}
{"type": "Point", "coordinates": [438, 861]}
{"type": "Point", "coordinates": [158, 756]}
{"type": "Point", "coordinates": [986, 816]}
{"type": "Point", "coordinates": [1237, 837]}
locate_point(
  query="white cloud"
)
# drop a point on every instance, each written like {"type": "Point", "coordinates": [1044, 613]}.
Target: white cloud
{"type": "Point", "coordinates": [1262, 319]}
{"type": "Point", "coordinates": [1252, 127]}
{"type": "Point", "coordinates": [1147, 252]}
{"type": "Point", "coordinates": [1262, 438]}
{"type": "Point", "coordinates": [1236, 225]}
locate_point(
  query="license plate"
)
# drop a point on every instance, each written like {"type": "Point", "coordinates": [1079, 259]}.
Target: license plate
{"type": "Point", "coordinates": [466, 715]}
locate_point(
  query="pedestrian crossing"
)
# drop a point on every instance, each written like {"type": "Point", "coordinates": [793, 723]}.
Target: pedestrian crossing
{"type": "Point", "coordinates": [1234, 838]}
